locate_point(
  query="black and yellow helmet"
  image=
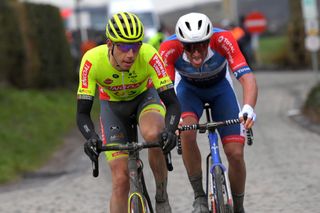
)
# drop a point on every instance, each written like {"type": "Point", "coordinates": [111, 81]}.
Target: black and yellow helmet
{"type": "Point", "coordinates": [125, 27]}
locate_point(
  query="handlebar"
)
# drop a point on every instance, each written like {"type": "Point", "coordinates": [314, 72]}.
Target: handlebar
{"type": "Point", "coordinates": [129, 147]}
{"type": "Point", "coordinates": [211, 126]}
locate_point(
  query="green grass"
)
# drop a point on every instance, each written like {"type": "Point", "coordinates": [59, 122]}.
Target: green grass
{"type": "Point", "coordinates": [32, 125]}
{"type": "Point", "coordinates": [272, 49]}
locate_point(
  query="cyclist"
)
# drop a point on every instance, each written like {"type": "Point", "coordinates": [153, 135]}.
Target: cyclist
{"type": "Point", "coordinates": [121, 68]}
{"type": "Point", "coordinates": [202, 56]}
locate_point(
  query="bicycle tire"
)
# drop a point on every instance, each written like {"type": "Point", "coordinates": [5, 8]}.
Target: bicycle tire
{"type": "Point", "coordinates": [145, 193]}
{"type": "Point", "coordinates": [137, 204]}
{"type": "Point", "coordinates": [218, 182]}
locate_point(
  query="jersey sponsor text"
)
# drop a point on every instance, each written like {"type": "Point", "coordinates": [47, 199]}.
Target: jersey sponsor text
{"type": "Point", "coordinates": [123, 87]}
{"type": "Point", "coordinates": [228, 47]}
{"type": "Point", "coordinates": [85, 73]}
{"type": "Point", "coordinates": [158, 65]}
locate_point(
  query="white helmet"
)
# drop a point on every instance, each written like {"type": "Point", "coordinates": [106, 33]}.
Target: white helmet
{"type": "Point", "coordinates": [193, 27]}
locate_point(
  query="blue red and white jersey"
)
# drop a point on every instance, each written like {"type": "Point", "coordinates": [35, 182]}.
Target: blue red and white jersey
{"type": "Point", "coordinates": [223, 52]}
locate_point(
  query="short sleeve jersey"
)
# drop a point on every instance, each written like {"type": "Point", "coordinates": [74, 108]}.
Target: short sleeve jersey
{"type": "Point", "coordinates": [223, 51]}
{"type": "Point", "coordinates": [114, 85]}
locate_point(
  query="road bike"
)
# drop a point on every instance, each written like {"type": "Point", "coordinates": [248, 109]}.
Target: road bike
{"type": "Point", "coordinates": [138, 200]}
{"type": "Point", "coordinates": [218, 189]}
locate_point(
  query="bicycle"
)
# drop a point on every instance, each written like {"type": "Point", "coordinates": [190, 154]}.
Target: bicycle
{"type": "Point", "coordinates": [139, 200]}
{"type": "Point", "coordinates": [218, 189]}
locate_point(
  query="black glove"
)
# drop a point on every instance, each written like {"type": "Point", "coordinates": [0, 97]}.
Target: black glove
{"type": "Point", "coordinates": [92, 147]}
{"type": "Point", "coordinates": [168, 141]}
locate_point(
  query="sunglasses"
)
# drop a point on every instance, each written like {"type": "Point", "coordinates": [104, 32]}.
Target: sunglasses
{"type": "Point", "coordinates": [200, 46]}
{"type": "Point", "coordinates": [126, 47]}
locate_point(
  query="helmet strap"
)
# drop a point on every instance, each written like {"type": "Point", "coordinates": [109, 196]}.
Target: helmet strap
{"type": "Point", "coordinates": [117, 64]}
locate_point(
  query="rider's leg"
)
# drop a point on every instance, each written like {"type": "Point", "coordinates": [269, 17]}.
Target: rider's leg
{"type": "Point", "coordinates": [237, 172]}
{"type": "Point", "coordinates": [191, 102]}
{"type": "Point", "coordinates": [120, 185]}
{"type": "Point", "coordinates": [192, 157]}
{"type": "Point", "coordinates": [115, 129]}
{"type": "Point", "coordinates": [192, 160]}
{"type": "Point", "coordinates": [225, 106]}
{"type": "Point", "coordinates": [151, 124]}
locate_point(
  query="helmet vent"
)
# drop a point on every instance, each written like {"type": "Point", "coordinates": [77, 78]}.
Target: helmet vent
{"type": "Point", "coordinates": [199, 24]}
{"type": "Point", "coordinates": [124, 24]}
{"type": "Point", "coordinates": [208, 29]}
{"type": "Point", "coordinates": [188, 25]}
{"type": "Point", "coordinates": [181, 34]}
{"type": "Point", "coordinates": [111, 31]}
{"type": "Point", "coordinates": [115, 27]}
{"type": "Point", "coordinates": [136, 24]}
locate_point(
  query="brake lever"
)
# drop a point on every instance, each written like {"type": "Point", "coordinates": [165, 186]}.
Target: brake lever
{"type": "Point", "coordinates": [248, 131]}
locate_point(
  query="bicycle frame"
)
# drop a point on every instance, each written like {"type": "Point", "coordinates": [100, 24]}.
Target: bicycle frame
{"type": "Point", "coordinates": [214, 160]}
{"type": "Point", "coordinates": [138, 200]}
{"type": "Point", "coordinates": [138, 192]}
{"type": "Point", "coordinates": [218, 188]}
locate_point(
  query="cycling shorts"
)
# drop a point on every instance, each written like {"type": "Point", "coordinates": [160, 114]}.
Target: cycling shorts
{"type": "Point", "coordinates": [223, 102]}
{"type": "Point", "coordinates": [118, 120]}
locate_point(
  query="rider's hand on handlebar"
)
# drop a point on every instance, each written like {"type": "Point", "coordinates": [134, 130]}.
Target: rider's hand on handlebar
{"type": "Point", "coordinates": [251, 116]}
{"type": "Point", "coordinates": [168, 141]}
{"type": "Point", "coordinates": [92, 146]}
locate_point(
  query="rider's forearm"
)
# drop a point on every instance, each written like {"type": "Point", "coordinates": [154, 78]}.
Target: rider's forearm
{"type": "Point", "coordinates": [173, 111]}
{"type": "Point", "coordinates": [84, 121]}
{"type": "Point", "coordinates": [250, 89]}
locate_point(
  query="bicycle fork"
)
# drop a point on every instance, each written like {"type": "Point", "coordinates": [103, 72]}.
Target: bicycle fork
{"type": "Point", "coordinates": [213, 161]}
{"type": "Point", "coordinates": [136, 201]}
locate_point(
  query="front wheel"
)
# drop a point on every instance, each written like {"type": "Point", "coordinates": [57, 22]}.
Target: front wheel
{"type": "Point", "coordinates": [218, 185]}
{"type": "Point", "coordinates": [137, 204]}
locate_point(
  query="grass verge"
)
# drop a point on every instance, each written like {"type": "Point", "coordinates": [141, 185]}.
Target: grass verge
{"type": "Point", "coordinates": [273, 50]}
{"type": "Point", "coordinates": [32, 126]}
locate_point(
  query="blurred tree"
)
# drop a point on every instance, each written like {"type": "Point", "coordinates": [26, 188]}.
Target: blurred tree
{"type": "Point", "coordinates": [12, 52]}
{"type": "Point", "coordinates": [298, 57]}
{"type": "Point", "coordinates": [48, 37]}
{"type": "Point", "coordinates": [31, 61]}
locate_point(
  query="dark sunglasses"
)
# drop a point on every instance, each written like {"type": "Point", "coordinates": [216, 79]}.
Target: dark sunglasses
{"type": "Point", "coordinates": [126, 47]}
{"type": "Point", "coordinates": [200, 46]}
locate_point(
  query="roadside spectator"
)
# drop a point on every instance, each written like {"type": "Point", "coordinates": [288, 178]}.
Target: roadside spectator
{"type": "Point", "coordinates": [243, 38]}
{"type": "Point", "coordinates": [87, 45]}
{"type": "Point", "coordinates": [159, 37]}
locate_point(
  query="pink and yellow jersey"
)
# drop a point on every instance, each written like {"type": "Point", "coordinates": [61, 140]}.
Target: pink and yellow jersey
{"type": "Point", "coordinates": [115, 85]}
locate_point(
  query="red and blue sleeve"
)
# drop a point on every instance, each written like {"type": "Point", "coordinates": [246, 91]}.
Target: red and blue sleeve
{"type": "Point", "coordinates": [226, 45]}
{"type": "Point", "coordinates": [170, 50]}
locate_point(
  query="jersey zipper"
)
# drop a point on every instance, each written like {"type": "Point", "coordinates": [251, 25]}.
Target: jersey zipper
{"type": "Point", "coordinates": [124, 86]}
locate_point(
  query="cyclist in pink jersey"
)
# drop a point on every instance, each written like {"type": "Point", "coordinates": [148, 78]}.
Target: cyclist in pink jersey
{"type": "Point", "coordinates": [198, 58]}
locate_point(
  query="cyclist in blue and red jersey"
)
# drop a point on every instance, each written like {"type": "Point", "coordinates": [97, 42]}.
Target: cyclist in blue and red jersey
{"type": "Point", "coordinates": [198, 58]}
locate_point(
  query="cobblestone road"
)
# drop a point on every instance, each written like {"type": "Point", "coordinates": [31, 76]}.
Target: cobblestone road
{"type": "Point", "coordinates": [283, 165]}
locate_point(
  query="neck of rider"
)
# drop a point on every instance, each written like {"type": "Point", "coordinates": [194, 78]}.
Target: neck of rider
{"type": "Point", "coordinates": [112, 58]}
